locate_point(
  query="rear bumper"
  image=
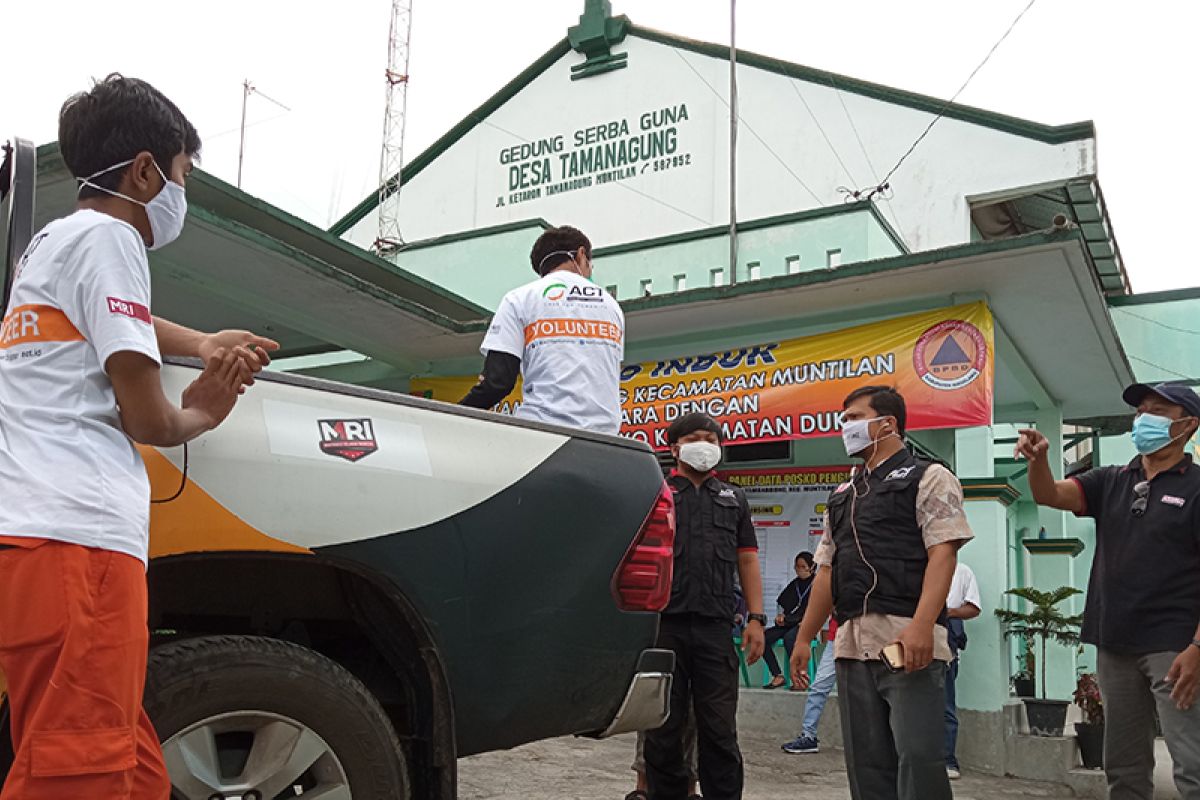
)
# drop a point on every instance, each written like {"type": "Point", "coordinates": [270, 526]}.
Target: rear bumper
{"type": "Point", "coordinates": [648, 700]}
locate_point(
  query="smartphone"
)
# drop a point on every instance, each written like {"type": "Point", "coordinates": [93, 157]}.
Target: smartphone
{"type": "Point", "coordinates": [893, 656]}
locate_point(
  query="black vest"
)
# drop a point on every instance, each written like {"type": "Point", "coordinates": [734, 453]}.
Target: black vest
{"type": "Point", "coordinates": [884, 508]}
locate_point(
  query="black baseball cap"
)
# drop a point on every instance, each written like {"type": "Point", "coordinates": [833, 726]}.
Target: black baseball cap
{"type": "Point", "coordinates": [1178, 393]}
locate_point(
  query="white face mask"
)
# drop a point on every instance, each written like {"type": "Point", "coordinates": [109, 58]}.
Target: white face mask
{"type": "Point", "coordinates": [166, 211]}
{"type": "Point", "coordinates": [700, 456]}
{"type": "Point", "coordinates": [856, 436]}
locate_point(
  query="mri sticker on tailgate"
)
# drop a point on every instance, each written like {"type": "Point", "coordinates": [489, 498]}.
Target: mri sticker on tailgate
{"type": "Point", "coordinates": [350, 439]}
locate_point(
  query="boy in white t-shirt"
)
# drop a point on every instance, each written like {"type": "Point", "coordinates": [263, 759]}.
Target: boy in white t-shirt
{"type": "Point", "coordinates": [79, 385]}
{"type": "Point", "coordinates": [564, 334]}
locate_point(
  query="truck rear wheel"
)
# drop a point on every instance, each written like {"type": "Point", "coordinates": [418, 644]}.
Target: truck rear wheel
{"type": "Point", "coordinates": [261, 719]}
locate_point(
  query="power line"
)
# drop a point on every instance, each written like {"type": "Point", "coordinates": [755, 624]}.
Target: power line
{"type": "Point", "coordinates": [870, 164]}
{"type": "Point", "coordinates": [883, 185]}
{"type": "Point", "coordinates": [622, 184]}
{"type": "Point", "coordinates": [821, 128]}
{"type": "Point", "coordinates": [1156, 322]}
{"type": "Point", "coordinates": [1190, 378]}
{"type": "Point", "coordinates": [210, 136]}
{"type": "Point", "coordinates": [753, 132]}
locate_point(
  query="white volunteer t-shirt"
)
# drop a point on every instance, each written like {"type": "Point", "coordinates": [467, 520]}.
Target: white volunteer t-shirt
{"type": "Point", "coordinates": [68, 472]}
{"type": "Point", "coordinates": [570, 336]}
{"type": "Point", "coordinates": [963, 588]}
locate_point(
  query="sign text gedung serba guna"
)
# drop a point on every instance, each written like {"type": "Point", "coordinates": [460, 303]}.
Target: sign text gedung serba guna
{"type": "Point", "coordinates": [595, 155]}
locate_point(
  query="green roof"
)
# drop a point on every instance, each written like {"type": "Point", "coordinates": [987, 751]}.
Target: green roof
{"type": "Point", "coordinates": [476, 233]}
{"type": "Point", "coordinates": [252, 216]}
{"type": "Point", "coordinates": [865, 206]}
{"type": "Point", "coordinates": [1050, 134]}
{"type": "Point", "coordinates": [1148, 298]}
{"type": "Point", "coordinates": [853, 270]}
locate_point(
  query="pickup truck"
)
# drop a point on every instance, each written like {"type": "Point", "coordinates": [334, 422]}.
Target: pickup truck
{"type": "Point", "coordinates": [351, 588]}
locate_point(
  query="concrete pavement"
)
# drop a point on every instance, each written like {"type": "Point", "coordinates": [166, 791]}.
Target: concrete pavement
{"type": "Point", "coordinates": [583, 769]}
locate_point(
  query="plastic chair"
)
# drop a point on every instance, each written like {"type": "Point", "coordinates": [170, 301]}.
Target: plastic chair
{"type": "Point", "coordinates": [784, 659]}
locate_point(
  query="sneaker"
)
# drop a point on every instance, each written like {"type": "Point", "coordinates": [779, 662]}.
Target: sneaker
{"type": "Point", "coordinates": [802, 744]}
{"type": "Point", "coordinates": [952, 773]}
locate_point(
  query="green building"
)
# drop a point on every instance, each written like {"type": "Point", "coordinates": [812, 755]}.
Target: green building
{"type": "Point", "coordinates": [989, 209]}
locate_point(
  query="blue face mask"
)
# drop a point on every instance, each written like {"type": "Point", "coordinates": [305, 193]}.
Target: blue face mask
{"type": "Point", "coordinates": [1152, 433]}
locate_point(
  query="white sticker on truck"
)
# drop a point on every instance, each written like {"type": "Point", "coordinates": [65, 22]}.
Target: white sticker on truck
{"type": "Point", "coordinates": [325, 434]}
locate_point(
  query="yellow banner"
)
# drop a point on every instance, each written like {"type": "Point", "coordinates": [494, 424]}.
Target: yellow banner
{"type": "Point", "coordinates": [941, 361]}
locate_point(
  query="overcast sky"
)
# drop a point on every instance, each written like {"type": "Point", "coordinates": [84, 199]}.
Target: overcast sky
{"type": "Point", "coordinates": [1130, 67]}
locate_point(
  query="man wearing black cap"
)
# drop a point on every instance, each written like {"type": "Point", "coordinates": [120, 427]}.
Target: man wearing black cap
{"type": "Point", "coordinates": [1143, 600]}
{"type": "Point", "coordinates": [715, 545]}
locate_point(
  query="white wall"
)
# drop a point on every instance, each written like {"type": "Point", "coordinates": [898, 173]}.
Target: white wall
{"type": "Point", "coordinates": [460, 190]}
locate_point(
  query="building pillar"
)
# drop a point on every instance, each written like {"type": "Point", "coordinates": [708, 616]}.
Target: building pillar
{"type": "Point", "coordinates": [984, 678]}
{"type": "Point", "coordinates": [1049, 571]}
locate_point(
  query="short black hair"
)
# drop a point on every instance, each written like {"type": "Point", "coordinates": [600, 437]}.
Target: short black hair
{"type": "Point", "coordinates": [554, 247]}
{"type": "Point", "coordinates": [115, 120]}
{"type": "Point", "coordinates": [690, 423]}
{"type": "Point", "coordinates": [806, 557]}
{"type": "Point", "coordinates": [884, 400]}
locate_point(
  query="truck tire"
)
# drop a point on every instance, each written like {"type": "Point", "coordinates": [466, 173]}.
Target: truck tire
{"type": "Point", "coordinates": [262, 719]}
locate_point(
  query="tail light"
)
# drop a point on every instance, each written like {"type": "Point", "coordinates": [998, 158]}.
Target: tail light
{"type": "Point", "coordinates": [643, 581]}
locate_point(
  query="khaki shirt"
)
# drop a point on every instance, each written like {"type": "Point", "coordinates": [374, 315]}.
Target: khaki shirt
{"type": "Point", "coordinates": [941, 518]}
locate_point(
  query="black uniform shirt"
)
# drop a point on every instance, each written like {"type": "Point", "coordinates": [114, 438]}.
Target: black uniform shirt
{"type": "Point", "coordinates": [712, 525]}
{"type": "Point", "coordinates": [1144, 593]}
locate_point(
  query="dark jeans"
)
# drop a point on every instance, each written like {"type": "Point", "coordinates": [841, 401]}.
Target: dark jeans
{"type": "Point", "coordinates": [893, 729]}
{"type": "Point", "coordinates": [773, 635]}
{"type": "Point", "coordinates": [706, 675]}
{"type": "Point", "coordinates": [951, 715]}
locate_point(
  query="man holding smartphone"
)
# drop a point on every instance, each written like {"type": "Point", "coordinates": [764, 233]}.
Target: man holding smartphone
{"type": "Point", "coordinates": [885, 564]}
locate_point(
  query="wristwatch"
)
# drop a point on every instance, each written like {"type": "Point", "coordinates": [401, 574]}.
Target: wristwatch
{"type": "Point", "coordinates": [1195, 642]}
{"type": "Point", "coordinates": [761, 619]}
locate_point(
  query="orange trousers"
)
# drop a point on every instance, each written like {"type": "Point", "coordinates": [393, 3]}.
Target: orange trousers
{"type": "Point", "coordinates": [73, 641]}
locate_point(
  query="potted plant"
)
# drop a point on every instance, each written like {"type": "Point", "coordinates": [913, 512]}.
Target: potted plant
{"type": "Point", "coordinates": [1045, 621]}
{"type": "Point", "coordinates": [1090, 732]}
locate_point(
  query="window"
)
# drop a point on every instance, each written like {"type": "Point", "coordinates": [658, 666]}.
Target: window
{"type": "Point", "coordinates": [717, 277]}
{"type": "Point", "coordinates": [681, 283]}
{"type": "Point", "coordinates": [758, 451]}
{"type": "Point", "coordinates": [753, 271]}
{"type": "Point", "coordinates": [612, 291]}
{"type": "Point", "coordinates": [647, 288]}
{"type": "Point", "coordinates": [793, 265]}
{"type": "Point", "coordinates": [833, 258]}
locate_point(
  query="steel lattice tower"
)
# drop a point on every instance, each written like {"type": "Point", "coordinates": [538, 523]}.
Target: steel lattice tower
{"type": "Point", "coordinates": [391, 160]}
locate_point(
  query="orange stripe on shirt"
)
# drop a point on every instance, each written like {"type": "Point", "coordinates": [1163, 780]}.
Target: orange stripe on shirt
{"type": "Point", "coordinates": [34, 323]}
{"type": "Point", "coordinates": [572, 329]}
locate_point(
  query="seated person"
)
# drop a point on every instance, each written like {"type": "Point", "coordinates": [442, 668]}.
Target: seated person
{"type": "Point", "coordinates": [793, 602]}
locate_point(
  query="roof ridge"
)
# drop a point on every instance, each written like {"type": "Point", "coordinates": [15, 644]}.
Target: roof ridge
{"type": "Point", "coordinates": [1050, 134]}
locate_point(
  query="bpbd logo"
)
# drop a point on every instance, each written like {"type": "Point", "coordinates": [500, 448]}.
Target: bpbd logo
{"type": "Point", "coordinates": [351, 439]}
{"type": "Point", "coordinates": [950, 355]}
{"type": "Point", "coordinates": [557, 292]}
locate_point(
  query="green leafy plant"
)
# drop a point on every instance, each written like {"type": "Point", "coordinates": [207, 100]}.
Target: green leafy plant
{"type": "Point", "coordinates": [1087, 697]}
{"type": "Point", "coordinates": [1043, 620]}
{"type": "Point", "coordinates": [1025, 660]}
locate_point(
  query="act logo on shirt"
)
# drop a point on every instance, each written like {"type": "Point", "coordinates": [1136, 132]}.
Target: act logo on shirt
{"type": "Point", "coordinates": [129, 309]}
{"type": "Point", "coordinates": [557, 292]}
{"type": "Point", "coordinates": [351, 439]}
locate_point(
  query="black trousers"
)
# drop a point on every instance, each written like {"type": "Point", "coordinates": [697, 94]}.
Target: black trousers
{"type": "Point", "coordinates": [706, 674]}
{"type": "Point", "coordinates": [777, 634]}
